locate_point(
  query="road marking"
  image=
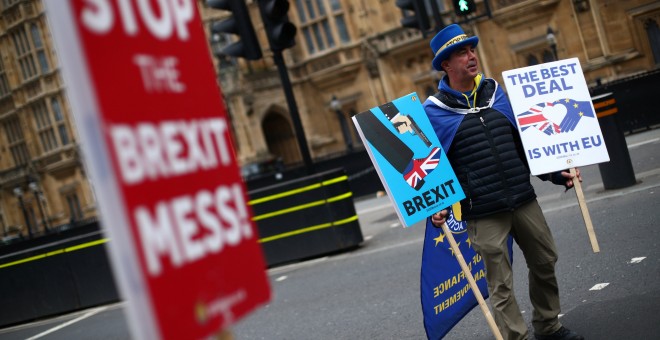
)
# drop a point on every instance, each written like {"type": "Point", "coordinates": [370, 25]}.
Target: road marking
{"type": "Point", "coordinates": [368, 237]}
{"type": "Point", "coordinates": [281, 278]}
{"type": "Point", "coordinates": [277, 270]}
{"type": "Point", "coordinates": [394, 225]}
{"type": "Point", "coordinates": [637, 259]}
{"type": "Point", "coordinates": [376, 208]}
{"type": "Point", "coordinates": [599, 286]}
{"type": "Point", "coordinates": [642, 143]}
{"type": "Point", "coordinates": [68, 323]}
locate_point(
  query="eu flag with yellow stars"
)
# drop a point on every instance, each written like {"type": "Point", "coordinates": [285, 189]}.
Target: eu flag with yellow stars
{"type": "Point", "coordinates": [575, 110]}
{"type": "Point", "coordinates": [445, 291]}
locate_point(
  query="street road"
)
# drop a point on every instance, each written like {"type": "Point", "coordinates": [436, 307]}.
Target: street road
{"type": "Point", "coordinates": [373, 291]}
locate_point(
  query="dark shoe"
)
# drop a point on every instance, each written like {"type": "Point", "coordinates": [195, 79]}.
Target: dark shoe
{"type": "Point", "coordinates": [562, 334]}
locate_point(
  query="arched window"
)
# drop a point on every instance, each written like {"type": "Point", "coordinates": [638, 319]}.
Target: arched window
{"type": "Point", "coordinates": [653, 33]}
{"type": "Point", "coordinates": [532, 60]}
{"type": "Point", "coordinates": [548, 56]}
{"type": "Point", "coordinates": [280, 138]}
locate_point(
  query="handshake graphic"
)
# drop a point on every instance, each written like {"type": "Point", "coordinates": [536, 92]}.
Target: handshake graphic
{"type": "Point", "coordinates": [556, 117]}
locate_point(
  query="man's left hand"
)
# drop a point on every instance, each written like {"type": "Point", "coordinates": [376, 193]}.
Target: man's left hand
{"type": "Point", "coordinates": [570, 178]}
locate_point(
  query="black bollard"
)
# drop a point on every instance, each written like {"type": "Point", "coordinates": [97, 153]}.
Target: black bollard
{"type": "Point", "coordinates": [618, 172]}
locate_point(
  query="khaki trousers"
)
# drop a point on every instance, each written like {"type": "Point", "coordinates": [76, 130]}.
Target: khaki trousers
{"type": "Point", "coordinates": [530, 231]}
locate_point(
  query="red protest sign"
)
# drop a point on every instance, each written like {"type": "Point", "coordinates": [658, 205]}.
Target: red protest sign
{"type": "Point", "coordinates": [157, 142]}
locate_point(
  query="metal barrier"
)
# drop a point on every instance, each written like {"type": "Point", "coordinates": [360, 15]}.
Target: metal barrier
{"type": "Point", "coordinates": [69, 270]}
{"type": "Point", "coordinates": [635, 99]}
{"type": "Point", "coordinates": [307, 217]}
{"type": "Point", "coordinates": [618, 172]}
{"type": "Point", "coordinates": [55, 274]}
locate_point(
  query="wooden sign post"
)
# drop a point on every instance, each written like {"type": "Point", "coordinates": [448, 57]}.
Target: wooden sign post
{"type": "Point", "coordinates": [473, 283]}
{"type": "Point", "coordinates": [585, 212]}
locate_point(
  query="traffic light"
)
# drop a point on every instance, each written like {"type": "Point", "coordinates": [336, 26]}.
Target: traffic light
{"type": "Point", "coordinates": [281, 32]}
{"type": "Point", "coordinates": [419, 19]}
{"type": "Point", "coordinates": [464, 7]}
{"type": "Point", "coordinates": [238, 23]}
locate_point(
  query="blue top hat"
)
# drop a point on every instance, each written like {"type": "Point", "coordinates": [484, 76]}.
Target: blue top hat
{"type": "Point", "coordinates": [447, 41]}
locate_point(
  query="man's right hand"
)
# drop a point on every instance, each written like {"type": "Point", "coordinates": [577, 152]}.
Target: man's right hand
{"type": "Point", "coordinates": [439, 218]}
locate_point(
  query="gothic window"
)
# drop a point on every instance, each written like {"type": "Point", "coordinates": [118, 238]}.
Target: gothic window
{"type": "Point", "coordinates": [44, 126]}
{"type": "Point", "coordinates": [322, 24]}
{"type": "Point", "coordinates": [17, 146]}
{"type": "Point", "coordinates": [653, 33]}
{"type": "Point", "coordinates": [532, 60]}
{"type": "Point", "coordinates": [539, 56]}
{"type": "Point", "coordinates": [50, 124]}
{"type": "Point", "coordinates": [39, 48]}
{"type": "Point", "coordinates": [280, 138]}
{"type": "Point", "coordinates": [4, 84]}
{"type": "Point", "coordinates": [59, 121]}
{"type": "Point", "coordinates": [75, 211]}
{"type": "Point", "coordinates": [32, 218]}
{"type": "Point", "coordinates": [24, 54]}
{"type": "Point", "coordinates": [548, 56]}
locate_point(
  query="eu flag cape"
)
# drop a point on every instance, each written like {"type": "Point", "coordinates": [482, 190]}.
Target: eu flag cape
{"type": "Point", "coordinates": [445, 291]}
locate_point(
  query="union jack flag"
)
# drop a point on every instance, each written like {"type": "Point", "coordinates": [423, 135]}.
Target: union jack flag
{"type": "Point", "coordinates": [420, 168]}
{"type": "Point", "coordinates": [533, 118]}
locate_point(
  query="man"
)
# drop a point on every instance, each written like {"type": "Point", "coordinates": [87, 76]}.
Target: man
{"type": "Point", "coordinates": [475, 124]}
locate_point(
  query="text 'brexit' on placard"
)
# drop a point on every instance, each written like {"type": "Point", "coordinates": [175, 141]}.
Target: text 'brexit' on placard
{"type": "Point", "coordinates": [148, 151]}
{"type": "Point", "coordinates": [429, 198]}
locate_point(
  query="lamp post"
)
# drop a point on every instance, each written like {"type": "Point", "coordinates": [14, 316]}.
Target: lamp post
{"type": "Point", "coordinates": [552, 41]}
{"type": "Point", "coordinates": [18, 192]}
{"type": "Point", "coordinates": [37, 195]}
{"type": "Point", "coordinates": [335, 105]}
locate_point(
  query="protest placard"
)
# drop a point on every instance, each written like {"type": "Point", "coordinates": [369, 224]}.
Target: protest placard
{"type": "Point", "coordinates": [157, 146]}
{"type": "Point", "coordinates": [408, 158]}
{"type": "Point", "coordinates": [555, 116]}
{"type": "Point", "coordinates": [419, 180]}
{"type": "Point", "coordinates": [557, 122]}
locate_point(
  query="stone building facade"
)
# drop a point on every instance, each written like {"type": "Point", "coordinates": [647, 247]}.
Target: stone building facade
{"type": "Point", "coordinates": [42, 181]}
{"type": "Point", "coordinates": [358, 52]}
{"type": "Point", "coordinates": [354, 51]}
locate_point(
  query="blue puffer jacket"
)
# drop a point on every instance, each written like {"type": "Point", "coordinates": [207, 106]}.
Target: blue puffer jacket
{"type": "Point", "coordinates": [479, 135]}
